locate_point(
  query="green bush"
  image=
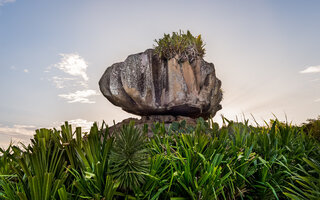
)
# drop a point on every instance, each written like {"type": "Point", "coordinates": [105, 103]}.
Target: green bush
{"type": "Point", "coordinates": [313, 127]}
{"type": "Point", "coordinates": [205, 161]}
{"type": "Point", "coordinates": [184, 47]}
{"type": "Point", "coordinates": [129, 158]}
{"type": "Point", "coordinates": [306, 182]}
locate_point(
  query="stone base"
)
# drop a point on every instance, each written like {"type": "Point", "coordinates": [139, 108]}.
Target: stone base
{"type": "Point", "coordinates": [149, 120]}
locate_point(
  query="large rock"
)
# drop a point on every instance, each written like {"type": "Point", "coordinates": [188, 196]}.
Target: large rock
{"type": "Point", "coordinates": [145, 85]}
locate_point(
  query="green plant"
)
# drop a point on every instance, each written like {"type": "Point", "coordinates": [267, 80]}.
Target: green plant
{"type": "Point", "coordinates": [40, 170]}
{"type": "Point", "coordinates": [91, 176]}
{"type": "Point", "coordinates": [7, 158]}
{"type": "Point", "coordinates": [185, 166]}
{"type": "Point", "coordinates": [205, 161]}
{"type": "Point", "coordinates": [183, 45]}
{"type": "Point", "coordinates": [129, 158]}
{"type": "Point", "coordinates": [313, 127]}
{"type": "Point", "coordinates": [306, 181]}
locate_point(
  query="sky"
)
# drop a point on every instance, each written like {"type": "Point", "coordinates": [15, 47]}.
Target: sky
{"type": "Point", "coordinates": [53, 53]}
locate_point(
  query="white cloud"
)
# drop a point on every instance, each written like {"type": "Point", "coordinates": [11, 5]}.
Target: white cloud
{"type": "Point", "coordinates": [2, 2]}
{"type": "Point", "coordinates": [13, 67]}
{"type": "Point", "coordinates": [74, 69]}
{"type": "Point", "coordinates": [315, 80]}
{"type": "Point", "coordinates": [84, 124]}
{"type": "Point", "coordinates": [16, 133]}
{"type": "Point", "coordinates": [17, 130]}
{"type": "Point", "coordinates": [80, 96]}
{"type": "Point", "coordinates": [74, 77]}
{"type": "Point", "coordinates": [61, 82]}
{"type": "Point", "coordinates": [311, 69]}
{"type": "Point", "coordinates": [81, 83]}
{"type": "Point", "coordinates": [26, 71]}
{"type": "Point", "coordinates": [317, 100]}
{"type": "Point", "coordinates": [74, 65]}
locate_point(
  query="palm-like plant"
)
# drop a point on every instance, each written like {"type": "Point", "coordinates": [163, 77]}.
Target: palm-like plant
{"type": "Point", "coordinates": [91, 178]}
{"type": "Point", "coordinates": [306, 184]}
{"type": "Point", "coordinates": [7, 158]}
{"type": "Point", "coordinates": [236, 161]}
{"type": "Point", "coordinates": [129, 158]}
{"type": "Point", "coordinates": [40, 171]}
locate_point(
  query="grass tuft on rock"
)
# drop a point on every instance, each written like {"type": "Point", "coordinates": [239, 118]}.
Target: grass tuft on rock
{"type": "Point", "coordinates": [180, 45]}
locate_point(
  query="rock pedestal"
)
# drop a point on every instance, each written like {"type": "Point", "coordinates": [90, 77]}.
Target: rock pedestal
{"type": "Point", "coordinates": [148, 86]}
{"type": "Point", "coordinates": [150, 120]}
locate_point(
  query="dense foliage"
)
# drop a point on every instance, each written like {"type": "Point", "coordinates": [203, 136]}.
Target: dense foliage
{"type": "Point", "coordinates": [235, 161]}
{"type": "Point", "coordinates": [184, 47]}
{"type": "Point", "coordinates": [313, 127]}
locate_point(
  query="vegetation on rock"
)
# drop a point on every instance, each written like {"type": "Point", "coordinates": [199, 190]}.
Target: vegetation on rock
{"type": "Point", "coordinates": [184, 45]}
{"type": "Point", "coordinates": [205, 161]}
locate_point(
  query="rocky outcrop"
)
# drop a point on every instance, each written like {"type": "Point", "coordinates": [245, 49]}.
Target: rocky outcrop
{"type": "Point", "coordinates": [145, 85]}
{"type": "Point", "coordinates": [151, 120]}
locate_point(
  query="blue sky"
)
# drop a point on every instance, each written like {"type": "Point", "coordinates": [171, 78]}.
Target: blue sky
{"type": "Point", "coordinates": [53, 53]}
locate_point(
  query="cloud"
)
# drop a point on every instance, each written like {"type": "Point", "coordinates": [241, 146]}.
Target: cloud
{"type": "Point", "coordinates": [61, 82]}
{"type": "Point", "coordinates": [74, 65]}
{"type": "Point", "coordinates": [16, 133]}
{"type": "Point", "coordinates": [18, 130]}
{"type": "Point", "coordinates": [317, 100]}
{"type": "Point", "coordinates": [13, 67]}
{"type": "Point", "coordinates": [74, 77]}
{"type": "Point", "coordinates": [74, 69]}
{"type": "Point", "coordinates": [311, 69]}
{"type": "Point", "coordinates": [80, 96]}
{"type": "Point", "coordinates": [2, 2]}
{"type": "Point", "coordinates": [23, 133]}
{"type": "Point", "coordinates": [26, 71]}
{"type": "Point", "coordinates": [84, 124]}
{"type": "Point", "coordinates": [315, 80]}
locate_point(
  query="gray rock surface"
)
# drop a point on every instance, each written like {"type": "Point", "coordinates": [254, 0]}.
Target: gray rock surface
{"type": "Point", "coordinates": [145, 85]}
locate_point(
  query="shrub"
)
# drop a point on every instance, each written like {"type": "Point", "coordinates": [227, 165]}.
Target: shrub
{"type": "Point", "coordinates": [313, 127]}
{"type": "Point", "coordinates": [235, 161]}
{"type": "Point", "coordinates": [129, 158]}
{"type": "Point", "coordinates": [186, 46]}
{"type": "Point", "coordinates": [306, 184]}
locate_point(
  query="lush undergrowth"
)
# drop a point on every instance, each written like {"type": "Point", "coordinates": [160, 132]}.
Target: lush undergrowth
{"type": "Point", "coordinates": [235, 161]}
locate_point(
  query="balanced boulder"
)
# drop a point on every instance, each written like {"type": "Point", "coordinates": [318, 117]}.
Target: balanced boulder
{"type": "Point", "coordinates": [145, 85]}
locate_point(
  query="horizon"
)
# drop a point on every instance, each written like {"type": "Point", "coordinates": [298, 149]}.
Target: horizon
{"type": "Point", "coordinates": [52, 55]}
